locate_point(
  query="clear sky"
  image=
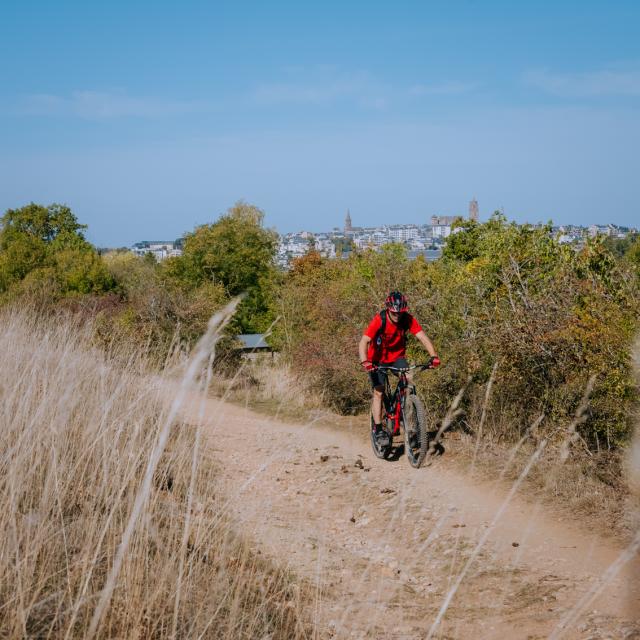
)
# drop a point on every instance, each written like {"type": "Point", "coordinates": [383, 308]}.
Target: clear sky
{"type": "Point", "coordinates": [148, 118]}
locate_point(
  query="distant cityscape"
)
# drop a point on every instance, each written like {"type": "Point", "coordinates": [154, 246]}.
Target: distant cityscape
{"type": "Point", "coordinates": [427, 240]}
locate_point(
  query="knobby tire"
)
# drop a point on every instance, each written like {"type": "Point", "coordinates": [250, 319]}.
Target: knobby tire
{"type": "Point", "coordinates": [415, 424]}
{"type": "Point", "coordinates": [378, 450]}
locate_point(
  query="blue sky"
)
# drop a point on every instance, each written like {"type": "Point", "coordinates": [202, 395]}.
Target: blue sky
{"type": "Point", "coordinates": [149, 118]}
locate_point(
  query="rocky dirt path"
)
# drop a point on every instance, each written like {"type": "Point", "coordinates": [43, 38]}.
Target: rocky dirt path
{"type": "Point", "coordinates": [383, 544]}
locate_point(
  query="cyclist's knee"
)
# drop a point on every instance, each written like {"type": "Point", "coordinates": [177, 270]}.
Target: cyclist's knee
{"type": "Point", "coordinates": [378, 391]}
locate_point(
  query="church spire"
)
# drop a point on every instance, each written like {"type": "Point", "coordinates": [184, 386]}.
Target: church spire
{"type": "Point", "coordinates": [347, 222]}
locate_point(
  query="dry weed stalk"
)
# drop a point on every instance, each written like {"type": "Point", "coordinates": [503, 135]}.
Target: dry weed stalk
{"type": "Point", "coordinates": [203, 350]}
{"type": "Point", "coordinates": [633, 475]}
{"type": "Point", "coordinates": [483, 416]}
{"type": "Point", "coordinates": [531, 431]}
{"type": "Point", "coordinates": [452, 413]}
{"type": "Point", "coordinates": [573, 615]}
{"type": "Point", "coordinates": [485, 536]}
{"type": "Point", "coordinates": [580, 417]}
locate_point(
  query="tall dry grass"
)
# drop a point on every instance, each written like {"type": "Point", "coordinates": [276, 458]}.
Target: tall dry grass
{"type": "Point", "coordinates": [585, 484]}
{"type": "Point", "coordinates": [270, 386]}
{"type": "Point", "coordinates": [106, 530]}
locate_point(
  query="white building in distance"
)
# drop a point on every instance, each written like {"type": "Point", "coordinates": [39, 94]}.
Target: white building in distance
{"type": "Point", "coordinates": [160, 249]}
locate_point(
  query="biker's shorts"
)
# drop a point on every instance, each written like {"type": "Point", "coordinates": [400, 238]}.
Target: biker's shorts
{"type": "Point", "coordinates": [378, 378]}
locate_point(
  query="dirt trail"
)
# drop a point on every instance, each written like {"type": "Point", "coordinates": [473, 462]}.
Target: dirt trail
{"type": "Point", "coordinates": [383, 544]}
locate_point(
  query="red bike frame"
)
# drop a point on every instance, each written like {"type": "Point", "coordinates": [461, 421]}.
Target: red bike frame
{"type": "Point", "coordinates": [399, 394]}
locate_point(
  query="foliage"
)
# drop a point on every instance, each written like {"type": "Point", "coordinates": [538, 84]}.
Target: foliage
{"type": "Point", "coordinates": [463, 246]}
{"type": "Point", "coordinates": [155, 310]}
{"type": "Point", "coordinates": [619, 247]}
{"type": "Point", "coordinates": [237, 253]}
{"type": "Point", "coordinates": [632, 255]}
{"type": "Point", "coordinates": [43, 249]}
{"type": "Point", "coordinates": [548, 315]}
{"type": "Point", "coordinates": [44, 257]}
{"type": "Point", "coordinates": [343, 245]}
{"type": "Point", "coordinates": [324, 306]}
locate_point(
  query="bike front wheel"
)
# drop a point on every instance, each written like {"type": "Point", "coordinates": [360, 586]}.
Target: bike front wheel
{"type": "Point", "coordinates": [416, 438]}
{"type": "Point", "coordinates": [379, 450]}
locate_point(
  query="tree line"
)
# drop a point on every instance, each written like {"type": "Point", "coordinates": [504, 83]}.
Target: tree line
{"type": "Point", "coordinates": [504, 300]}
{"type": "Point", "coordinates": [46, 259]}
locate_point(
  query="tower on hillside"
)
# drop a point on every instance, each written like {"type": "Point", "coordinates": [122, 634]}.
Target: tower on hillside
{"type": "Point", "coordinates": [473, 210]}
{"type": "Point", "coordinates": [347, 222]}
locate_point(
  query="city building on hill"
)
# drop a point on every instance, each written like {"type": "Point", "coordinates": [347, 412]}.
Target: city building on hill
{"type": "Point", "coordinates": [597, 230]}
{"type": "Point", "coordinates": [296, 245]}
{"type": "Point", "coordinates": [426, 240]}
{"type": "Point", "coordinates": [403, 232]}
{"type": "Point", "coordinates": [440, 230]}
{"type": "Point", "coordinates": [610, 230]}
{"type": "Point", "coordinates": [439, 221]}
{"type": "Point", "coordinates": [160, 249]}
{"type": "Point", "coordinates": [441, 226]}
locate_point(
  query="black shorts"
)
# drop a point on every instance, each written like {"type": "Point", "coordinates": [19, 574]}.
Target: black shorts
{"type": "Point", "coordinates": [377, 378]}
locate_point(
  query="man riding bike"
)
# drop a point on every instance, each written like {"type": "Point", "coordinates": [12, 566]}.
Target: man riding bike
{"type": "Point", "coordinates": [384, 343]}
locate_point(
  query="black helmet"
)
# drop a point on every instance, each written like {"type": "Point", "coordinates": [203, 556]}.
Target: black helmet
{"type": "Point", "coordinates": [396, 302]}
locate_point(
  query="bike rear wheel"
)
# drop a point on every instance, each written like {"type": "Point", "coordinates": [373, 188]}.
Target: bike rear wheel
{"type": "Point", "coordinates": [416, 438]}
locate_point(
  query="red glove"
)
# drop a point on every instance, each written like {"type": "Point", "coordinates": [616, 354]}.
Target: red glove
{"type": "Point", "coordinates": [367, 365]}
{"type": "Point", "coordinates": [435, 362]}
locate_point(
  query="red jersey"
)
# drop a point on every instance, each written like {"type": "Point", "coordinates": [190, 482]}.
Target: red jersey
{"type": "Point", "coordinates": [393, 342]}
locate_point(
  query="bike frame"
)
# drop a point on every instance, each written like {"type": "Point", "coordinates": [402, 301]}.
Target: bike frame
{"type": "Point", "coordinates": [393, 404]}
{"type": "Point", "coordinates": [397, 401]}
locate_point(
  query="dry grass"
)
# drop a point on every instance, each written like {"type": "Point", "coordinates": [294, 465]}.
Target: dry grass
{"type": "Point", "coordinates": [269, 386]}
{"type": "Point", "coordinates": [110, 522]}
{"type": "Point", "coordinates": [568, 477]}
{"type": "Point", "coordinates": [585, 487]}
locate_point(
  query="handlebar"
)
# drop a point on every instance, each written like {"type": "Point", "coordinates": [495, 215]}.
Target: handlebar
{"type": "Point", "coordinates": [422, 367]}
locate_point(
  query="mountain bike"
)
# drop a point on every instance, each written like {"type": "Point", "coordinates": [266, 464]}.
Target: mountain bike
{"type": "Point", "coordinates": [403, 415]}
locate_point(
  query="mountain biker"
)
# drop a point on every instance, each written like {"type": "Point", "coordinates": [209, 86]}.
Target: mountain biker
{"type": "Point", "coordinates": [384, 343]}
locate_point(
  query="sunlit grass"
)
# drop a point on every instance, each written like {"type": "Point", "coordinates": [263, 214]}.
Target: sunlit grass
{"type": "Point", "coordinates": [86, 548]}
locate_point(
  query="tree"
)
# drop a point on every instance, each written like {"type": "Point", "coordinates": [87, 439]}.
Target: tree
{"type": "Point", "coordinates": [237, 252]}
{"type": "Point", "coordinates": [343, 245]}
{"type": "Point", "coordinates": [633, 254]}
{"type": "Point", "coordinates": [462, 243]}
{"type": "Point", "coordinates": [38, 222]}
{"type": "Point", "coordinates": [48, 244]}
{"type": "Point", "coordinates": [619, 247]}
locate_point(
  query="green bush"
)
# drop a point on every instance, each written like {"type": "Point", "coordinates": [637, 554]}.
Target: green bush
{"type": "Point", "coordinates": [236, 253]}
{"type": "Point", "coordinates": [43, 252]}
